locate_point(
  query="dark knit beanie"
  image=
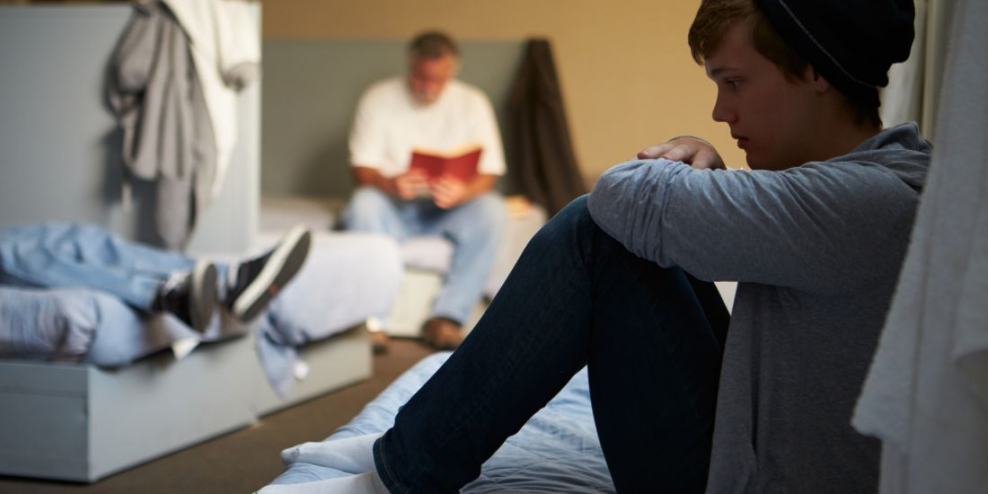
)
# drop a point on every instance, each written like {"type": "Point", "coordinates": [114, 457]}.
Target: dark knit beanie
{"type": "Point", "coordinates": [851, 43]}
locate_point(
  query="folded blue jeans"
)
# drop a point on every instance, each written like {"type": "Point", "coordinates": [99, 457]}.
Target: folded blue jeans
{"type": "Point", "coordinates": [576, 297]}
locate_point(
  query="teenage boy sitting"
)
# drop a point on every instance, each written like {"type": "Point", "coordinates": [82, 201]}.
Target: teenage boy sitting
{"type": "Point", "coordinates": [815, 235]}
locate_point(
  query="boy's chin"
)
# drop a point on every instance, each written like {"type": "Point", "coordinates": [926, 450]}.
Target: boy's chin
{"type": "Point", "coordinates": [763, 161]}
{"type": "Point", "coordinates": [757, 162]}
{"type": "Point", "coordinates": [752, 161]}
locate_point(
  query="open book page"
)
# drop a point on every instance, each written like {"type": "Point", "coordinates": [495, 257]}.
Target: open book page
{"type": "Point", "coordinates": [460, 163]}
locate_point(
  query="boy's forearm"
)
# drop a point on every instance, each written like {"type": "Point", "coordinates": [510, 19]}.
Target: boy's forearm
{"type": "Point", "coordinates": [626, 204]}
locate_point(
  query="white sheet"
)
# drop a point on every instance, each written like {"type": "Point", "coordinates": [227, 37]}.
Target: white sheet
{"type": "Point", "coordinates": [926, 396]}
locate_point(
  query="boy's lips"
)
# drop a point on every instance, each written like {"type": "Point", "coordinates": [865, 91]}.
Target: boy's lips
{"type": "Point", "coordinates": [742, 141]}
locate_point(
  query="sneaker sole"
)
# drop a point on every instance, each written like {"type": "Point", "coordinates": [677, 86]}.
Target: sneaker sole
{"type": "Point", "coordinates": [203, 295]}
{"type": "Point", "coordinates": [284, 263]}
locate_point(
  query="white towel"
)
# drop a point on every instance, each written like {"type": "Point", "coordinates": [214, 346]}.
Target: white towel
{"type": "Point", "coordinates": [902, 99]}
{"type": "Point", "coordinates": [225, 40]}
{"type": "Point", "coordinates": [926, 396]}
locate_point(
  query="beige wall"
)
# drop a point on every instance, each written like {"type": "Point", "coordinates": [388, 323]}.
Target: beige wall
{"type": "Point", "coordinates": [626, 73]}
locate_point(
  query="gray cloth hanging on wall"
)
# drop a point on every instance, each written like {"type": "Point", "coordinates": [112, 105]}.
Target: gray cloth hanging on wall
{"type": "Point", "coordinates": [155, 92]}
{"type": "Point", "coordinates": [542, 164]}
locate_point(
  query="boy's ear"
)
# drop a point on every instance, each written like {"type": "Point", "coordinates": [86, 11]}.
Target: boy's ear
{"type": "Point", "coordinates": [820, 84]}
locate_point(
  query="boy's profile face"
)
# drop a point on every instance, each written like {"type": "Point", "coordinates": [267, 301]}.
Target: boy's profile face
{"type": "Point", "coordinates": [771, 118]}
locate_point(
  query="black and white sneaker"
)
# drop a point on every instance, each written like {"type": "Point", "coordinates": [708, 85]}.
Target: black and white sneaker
{"type": "Point", "coordinates": [190, 295]}
{"type": "Point", "coordinates": [256, 281]}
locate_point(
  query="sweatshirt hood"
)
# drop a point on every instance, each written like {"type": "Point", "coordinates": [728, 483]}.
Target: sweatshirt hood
{"type": "Point", "coordinates": [900, 149]}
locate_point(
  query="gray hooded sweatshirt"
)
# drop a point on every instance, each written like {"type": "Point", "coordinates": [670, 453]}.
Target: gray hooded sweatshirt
{"type": "Point", "coordinates": [816, 250]}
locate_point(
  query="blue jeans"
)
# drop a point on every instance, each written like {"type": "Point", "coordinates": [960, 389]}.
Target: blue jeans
{"type": "Point", "coordinates": [54, 255]}
{"type": "Point", "coordinates": [576, 297]}
{"type": "Point", "coordinates": [474, 229]}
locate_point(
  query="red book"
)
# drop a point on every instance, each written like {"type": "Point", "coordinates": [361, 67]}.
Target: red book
{"type": "Point", "coordinates": [461, 163]}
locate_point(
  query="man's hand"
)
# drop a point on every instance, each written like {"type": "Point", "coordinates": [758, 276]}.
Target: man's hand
{"type": "Point", "coordinates": [410, 185]}
{"type": "Point", "coordinates": [448, 192]}
{"type": "Point", "coordinates": [691, 150]}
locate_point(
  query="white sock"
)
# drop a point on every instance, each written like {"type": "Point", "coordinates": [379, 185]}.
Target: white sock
{"type": "Point", "coordinates": [365, 483]}
{"type": "Point", "coordinates": [351, 455]}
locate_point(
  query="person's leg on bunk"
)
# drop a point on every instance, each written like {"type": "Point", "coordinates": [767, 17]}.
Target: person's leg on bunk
{"type": "Point", "coordinates": [252, 283]}
{"type": "Point", "coordinates": [370, 210]}
{"type": "Point", "coordinates": [576, 297]}
{"type": "Point", "coordinates": [54, 255]}
{"type": "Point", "coordinates": [245, 288]}
{"type": "Point", "coordinates": [475, 229]}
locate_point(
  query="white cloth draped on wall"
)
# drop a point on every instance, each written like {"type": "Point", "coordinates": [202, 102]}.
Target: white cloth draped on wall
{"type": "Point", "coordinates": [224, 37]}
{"type": "Point", "coordinates": [914, 85]}
{"type": "Point", "coordinates": [926, 396]}
{"type": "Point", "coordinates": [174, 82]}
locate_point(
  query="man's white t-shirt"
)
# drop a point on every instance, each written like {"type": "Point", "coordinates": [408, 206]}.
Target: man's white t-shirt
{"type": "Point", "coordinates": [389, 124]}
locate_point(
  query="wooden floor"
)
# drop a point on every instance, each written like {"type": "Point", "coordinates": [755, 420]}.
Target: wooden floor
{"type": "Point", "coordinates": [245, 460]}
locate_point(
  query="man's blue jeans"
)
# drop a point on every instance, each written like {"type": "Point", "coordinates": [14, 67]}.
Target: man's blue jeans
{"type": "Point", "coordinates": [55, 255]}
{"type": "Point", "coordinates": [576, 297]}
{"type": "Point", "coordinates": [474, 228]}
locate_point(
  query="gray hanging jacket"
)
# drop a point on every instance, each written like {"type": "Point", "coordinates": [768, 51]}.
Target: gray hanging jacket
{"type": "Point", "coordinates": [156, 94]}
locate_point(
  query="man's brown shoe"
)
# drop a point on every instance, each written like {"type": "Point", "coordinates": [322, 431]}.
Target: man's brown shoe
{"type": "Point", "coordinates": [379, 342]}
{"type": "Point", "coordinates": [442, 334]}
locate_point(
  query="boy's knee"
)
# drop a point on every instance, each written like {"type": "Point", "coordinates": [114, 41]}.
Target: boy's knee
{"type": "Point", "coordinates": [576, 210]}
{"type": "Point", "coordinates": [574, 218]}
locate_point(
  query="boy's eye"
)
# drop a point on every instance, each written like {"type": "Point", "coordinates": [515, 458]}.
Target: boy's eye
{"type": "Point", "coordinates": [733, 83]}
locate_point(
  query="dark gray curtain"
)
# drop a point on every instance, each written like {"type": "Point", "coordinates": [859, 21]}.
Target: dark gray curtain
{"type": "Point", "coordinates": [537, 141]}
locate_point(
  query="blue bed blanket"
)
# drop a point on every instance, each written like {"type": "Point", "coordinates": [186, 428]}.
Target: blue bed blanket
{"type": "Point", "coordinates": [556, 451]}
